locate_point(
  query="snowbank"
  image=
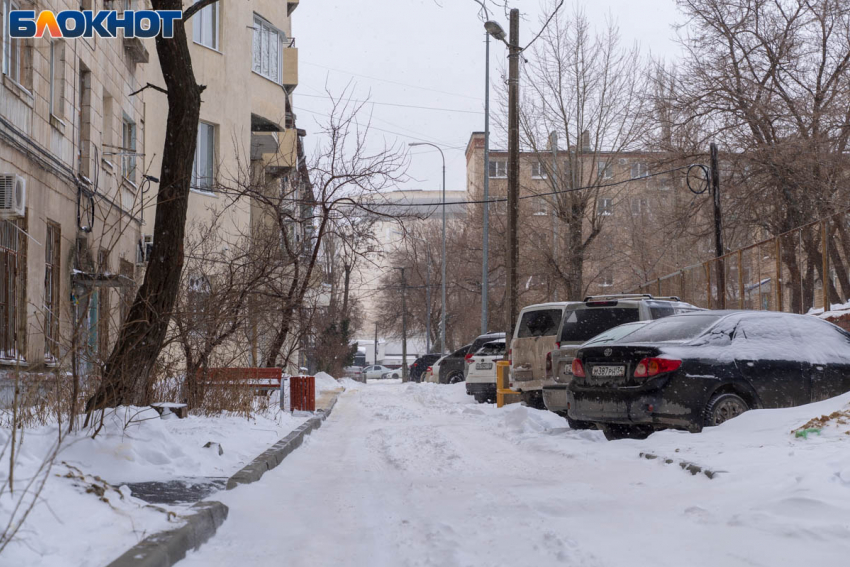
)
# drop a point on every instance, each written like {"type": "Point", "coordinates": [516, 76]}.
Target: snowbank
{"type": "Point", "coordinates": [325, 382]}
{"type": "Point", "coordinates": [135, 445]}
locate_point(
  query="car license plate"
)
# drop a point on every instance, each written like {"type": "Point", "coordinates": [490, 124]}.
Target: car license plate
{"type": "Point", "coordinates": [608, 371]}
{"type": "Point", "coordinates": [483, 365]}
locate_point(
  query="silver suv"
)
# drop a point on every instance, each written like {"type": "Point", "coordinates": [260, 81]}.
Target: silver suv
{"type": "Point", "coordinates": [585, 320]}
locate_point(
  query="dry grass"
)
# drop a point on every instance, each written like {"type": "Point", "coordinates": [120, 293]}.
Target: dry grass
{"type": "Point", "coordinates": [836, 418]}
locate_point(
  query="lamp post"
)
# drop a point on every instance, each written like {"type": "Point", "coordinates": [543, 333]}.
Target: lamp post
{"type": "Point", "coordinates": [443, 302]}
{"type": "Point", "coordinates": [512, 255]}
{"type": "Point", "coordinates": [403, 326]}
{"type": "Point", "coordinates": [485, 245]}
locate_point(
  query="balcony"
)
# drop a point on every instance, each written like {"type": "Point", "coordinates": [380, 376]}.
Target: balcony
{"type": "Point", "coordinates": [277, 150]}
{"type": "Point", "coordinates": [289, 78]}
{"type": "Point", "coordinates": [290, 6]}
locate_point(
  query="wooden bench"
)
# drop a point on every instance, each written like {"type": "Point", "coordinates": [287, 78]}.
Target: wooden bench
{"type": "Point", "coordinates": [264, 380]}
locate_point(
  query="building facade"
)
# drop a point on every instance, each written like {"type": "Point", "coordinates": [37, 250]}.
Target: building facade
{"type": "Point", "coordinates": [631, 205]}
{"type": "Point", "coordinates": [72, 141]}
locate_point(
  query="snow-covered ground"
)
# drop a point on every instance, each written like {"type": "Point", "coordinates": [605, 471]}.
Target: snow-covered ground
{"type": "Point", "coordinates": [81, 520]}
{"type": "Point", "coordinates": [417, 474]}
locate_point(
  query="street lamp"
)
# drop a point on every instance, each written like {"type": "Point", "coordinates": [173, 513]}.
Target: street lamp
{"type": "Point", "coordinates": [443, 314]}
{"type": "Point", "coordinates": [494, 29]}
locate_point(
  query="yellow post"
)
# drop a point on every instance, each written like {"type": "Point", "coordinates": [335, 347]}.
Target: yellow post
{"type": "Point", "coordinates": [504, 394]}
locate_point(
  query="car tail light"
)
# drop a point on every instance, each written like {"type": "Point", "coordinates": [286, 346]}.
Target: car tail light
{"type": "Point", "coordinates": [578, 369]}
{"type": "Point", "coordinates": [468, 358]}
{"type": "Point", "coordinates": [649, 367]}
{"type": "Point", "coordinates": [558, 344]}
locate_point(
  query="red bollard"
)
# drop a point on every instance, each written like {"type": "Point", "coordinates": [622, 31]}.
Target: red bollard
{"type": "Point", "coordinates": [302, 393]}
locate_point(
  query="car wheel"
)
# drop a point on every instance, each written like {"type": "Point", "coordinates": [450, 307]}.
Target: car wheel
{"type": "Point", "coordinates": [617, 431]}
{"type": "Point", "coordinates": [455, 378]}
{"type": "Point", "coordinates": [533, 399]}
{"type": "Point", "coordinates": [723, 407]}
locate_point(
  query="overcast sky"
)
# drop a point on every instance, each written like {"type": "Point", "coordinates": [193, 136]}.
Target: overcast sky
{"type": "Point", "coordinates": [430, 53]}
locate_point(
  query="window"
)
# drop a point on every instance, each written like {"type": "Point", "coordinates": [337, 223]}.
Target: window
{"type": "Point", "coordinates": [606, 206]}
{"type": "Point", "coordinates": [268, 43]}
{"type": "Point", "coordinates": [205, 26]}
{"type": "Point", "coordinates": [582, 324]}
{"type": "Point", "coordinates": [12, 289]}
{"type": "Point", "coordinates": [128, 291]}
{"type": "Point", "coordinates": [52, 257]}
{"type": "Point", "coordinates": [103, 307]}
{"type": "Point", "coordinates": [541, 207]}
{"type": "Point", "coordinates": [540, 323]}
{"type": "Point", "coordinates": [639, 206]}
{"type": "Point", "coordinates": [128, 149]}
{"type": "Point", "coordinates": [538, 171]}
{"type": "Point", "coordinates": [14, 49]}
{"type": "Point", "coordinates": [639, 170]}
{"type": "Point", "coordinates": [84, 121]}
{"type": "Point", "coordinates": [498, 168]}
{"type": "Point", "coordinates": [57, 78]}
{"type": "Point", "coordinates": [203, 172]}
{"type": "Point", "coordinates": [604, 170]}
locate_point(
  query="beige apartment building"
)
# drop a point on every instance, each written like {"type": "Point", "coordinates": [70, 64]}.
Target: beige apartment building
{"type": "Point", "coordinates": [245, 55]}
{"type": "Point", "coordinates": [631, 206]}
{"type": "Point", "coordinates": [72, 141]}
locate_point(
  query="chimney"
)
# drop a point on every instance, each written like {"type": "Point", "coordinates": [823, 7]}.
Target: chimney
{"type": "Point", "coordinates": [585, 141]}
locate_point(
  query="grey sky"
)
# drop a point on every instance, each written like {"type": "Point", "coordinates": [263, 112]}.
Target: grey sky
{"type": "Point", "coordinates": [421, 53]}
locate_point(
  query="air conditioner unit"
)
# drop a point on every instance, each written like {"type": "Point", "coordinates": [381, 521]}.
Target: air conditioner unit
{"type": "Point", "coordinates": [13, 196]}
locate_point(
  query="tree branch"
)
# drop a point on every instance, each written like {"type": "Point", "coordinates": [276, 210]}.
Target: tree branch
{"type": "Point", "coordinates": [196, 7]}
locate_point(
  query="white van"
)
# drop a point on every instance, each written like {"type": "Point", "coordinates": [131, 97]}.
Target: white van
{"type": "Point", "coordinates": [534, 337]}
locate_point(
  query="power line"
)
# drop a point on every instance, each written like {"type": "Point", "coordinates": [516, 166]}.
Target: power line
{"type": "Point", "coordinates": [419, 87]}
{"type": "Point", "coordinates": [366, 101]}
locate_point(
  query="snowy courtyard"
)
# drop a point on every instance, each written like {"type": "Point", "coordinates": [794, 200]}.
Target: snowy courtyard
{"type": "Point", "coordinates": [418, 474]}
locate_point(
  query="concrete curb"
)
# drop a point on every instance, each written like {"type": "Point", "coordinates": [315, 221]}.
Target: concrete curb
{"type": "Point", "coordinates": [164, 549]}
{"type": "Point", "coordinates": [274, 455]}
{"type": "Point", "coordinates": [692, 468]}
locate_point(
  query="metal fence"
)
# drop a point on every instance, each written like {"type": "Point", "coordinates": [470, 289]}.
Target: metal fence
{"type": "Point", "coordinates": [784, 273]}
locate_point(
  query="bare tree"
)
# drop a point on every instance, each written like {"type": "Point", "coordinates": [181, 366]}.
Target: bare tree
{"type": "Point", "coordinates": [588, 91]}
{"type": "Point", "coordinates": [768, 80]}
{"type": "Point", "coordinates": [126, 376]}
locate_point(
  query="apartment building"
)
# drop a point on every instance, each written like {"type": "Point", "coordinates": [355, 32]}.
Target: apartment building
{"type": "Point", "coordinates": [631, 206]}
{"type": "Point", "coordinates": [72, 146]}
{"type": "Point", "coordinates": [247, 145]}
{"type": "Point", "coordinates": [398, 215]}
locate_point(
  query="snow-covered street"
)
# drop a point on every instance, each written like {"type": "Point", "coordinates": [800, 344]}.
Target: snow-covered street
{"type": "Point", "coordinates": [417, 474]}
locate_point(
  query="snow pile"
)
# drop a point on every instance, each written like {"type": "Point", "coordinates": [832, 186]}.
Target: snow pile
{"type": "Point", "coordinates": [84, 495]}
{"type": "Point", "coordinates": [325, 382]}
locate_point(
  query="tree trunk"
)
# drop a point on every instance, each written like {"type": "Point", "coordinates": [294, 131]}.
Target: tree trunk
{"type": "Point", "coordinates": [126, 378]}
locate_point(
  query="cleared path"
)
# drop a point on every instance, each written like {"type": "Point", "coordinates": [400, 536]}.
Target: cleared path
{"type": "Point", "coordinates": [417, 475]}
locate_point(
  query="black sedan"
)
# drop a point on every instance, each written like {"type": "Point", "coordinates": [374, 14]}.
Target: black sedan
{"type": "Point", "coordinates": [700, 369]}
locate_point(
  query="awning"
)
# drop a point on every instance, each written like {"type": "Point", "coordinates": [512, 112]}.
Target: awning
{"type": "Point", "coordinates": [89, 279]}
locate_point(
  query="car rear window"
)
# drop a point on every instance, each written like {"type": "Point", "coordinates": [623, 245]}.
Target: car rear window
{"type": "Point", "coordinates": [673, 329]}
{"type": "Point", "coordinates": [584, 324]}
{"type": "Point", "coordinates": [539, 323]}
{"type": "Point", "coordinates": [615, 334]}
{"type": "Point", "coordinates": [492, 349]}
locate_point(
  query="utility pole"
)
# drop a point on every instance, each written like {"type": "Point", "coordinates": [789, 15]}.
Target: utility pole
{"type": "Point", "coordinates": [403, 327]}
{"type": "Point", "coordinates": [553, 145]}
{"type": "Point", "coordinates": [485, 248]}
{"type": "Point", "coordinates": [428, 305]}
{"type": "Point", "coordinates": [718, 226]}
{"type": "Point", "coordinates": [513, 174]}
{"type": "Point", "coordinates": [375, 361]}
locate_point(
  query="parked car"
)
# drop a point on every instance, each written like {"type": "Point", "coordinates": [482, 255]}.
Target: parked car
{"type": "Point", "coordinates": [451, 368]}
{"type": "Point", "coordinates": [481, 371]}
{"type": "Point", "coordinates": [432, 373]}
{"type": "Point", "coordinates": [479, 342]}
{"type": "Point", "coordinates": [375, 372]}
{"type": "Point", "coordinates": [534, 337]}
{"type": "Point", "coordinates": [392, 374]}
{"type": "Point", "coordinates": [703, 368]}
{"type": "Point", "coordinates": [583, 321]}
{"type": "Point", "coordinates": [420, 366]}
